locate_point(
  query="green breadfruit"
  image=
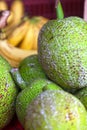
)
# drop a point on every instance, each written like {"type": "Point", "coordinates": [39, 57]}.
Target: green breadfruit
{"type": "Point", "coordinates": [62, 51]}
{"type": "Point", "coordinates": [29, 69]}
{"type": "Point", "coordinates": [56, 110]}
{"type": "Point", "coordinates": [25, 97]}
{"type": "Point", "coordinates": [8, 93]}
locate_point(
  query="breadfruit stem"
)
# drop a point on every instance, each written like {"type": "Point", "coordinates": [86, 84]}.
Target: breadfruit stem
{"type": "Point", "coordinates": [17, 78]}
{"type": "Point", "coordinates": [59, 10]}
{"type": "Point", "coordinates": [3, 22]}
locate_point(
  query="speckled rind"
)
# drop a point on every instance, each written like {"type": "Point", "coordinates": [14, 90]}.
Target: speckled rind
{"type": "Point", "coordinates": [30, 69]}
{"type": "Point", "coordinates": [56, 110]}
{"type": "Point", "coordinates": [25, 97]}
{"type": "Point", "coordinates": [62, 50]}
{"type": "Point", "coordinates": [8, 93]}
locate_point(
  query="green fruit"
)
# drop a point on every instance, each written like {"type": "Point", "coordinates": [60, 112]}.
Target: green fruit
{"type": "Point", "coordinates": [82, 96]}
{"type": "Point", "coordinates": [28, 70]}
{"type": "Point", "coordinates": [62, 51]}
{"type": "Point", "coordinates": [56, 110]}
{"type": "Point", "coordinates": [28, 94]}
{"type": "Point", "coordinates": [8, 93]}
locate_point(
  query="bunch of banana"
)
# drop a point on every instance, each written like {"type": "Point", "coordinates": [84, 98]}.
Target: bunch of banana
{"type": "Point", "coordinates": [18, 33]}
{"type": "Point", "coordinates": [25, 34]}
{"type": "Point", "coordinates": [13, 54]}
{"type": "Point", "coordinates": [30, 40]}
{"type": "Point", "coordinates": [21, 30]}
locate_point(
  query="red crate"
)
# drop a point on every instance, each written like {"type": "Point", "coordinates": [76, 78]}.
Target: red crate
{"type": "Point", "coordinates": [73, 7]}
{"type": "Point", "coordinates": [14, 125]}
{"type": "Point", "coordinates": [46, 8]}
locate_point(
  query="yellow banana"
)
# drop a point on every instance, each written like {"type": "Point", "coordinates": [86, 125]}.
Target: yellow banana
{"type": "Point", "coordinates": [17, 8]}
{"type": "Point", "coordinates": [36, 33]}
{"type": "Point", "coordinates": [12, 54]}
{"type": "Point", "coordinates": [10, 18]}
{"type": "Point", "coordinates": [3, 5]}
{"type": "Point", "coordinates": [27, 42]}
{"type": "Point", "coordinates": [31, 38]}
{"type": "Point", "coordinates": [18, 33]}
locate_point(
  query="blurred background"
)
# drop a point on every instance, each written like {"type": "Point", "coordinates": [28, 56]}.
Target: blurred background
{"type": "Point", "coordinates": [46, 8]}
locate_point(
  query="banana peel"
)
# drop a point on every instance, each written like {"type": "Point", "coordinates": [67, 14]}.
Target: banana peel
{"type": "Point", "coordinates": [17, 34]}
{"type": "Point", "coordinates": [12, 54]}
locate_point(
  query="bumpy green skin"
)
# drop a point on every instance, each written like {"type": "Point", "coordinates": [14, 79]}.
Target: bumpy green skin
{"type": "Point", "coordinates": [82, 96]}
{"type": "Point", "coordinates": [8, 93]}
{"type": "Point", "coordinates": [25, 97]}
{"type": "Point", "coordinates": [28, 70]}
{"type": "Point", "coordinates": [56, 110]}
{"type": "Point", "coordinates": [62, 50]}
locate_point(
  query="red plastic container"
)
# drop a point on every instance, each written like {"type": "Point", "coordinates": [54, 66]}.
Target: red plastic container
{"type": "Point", "coordinates": [14, 125]}
{"type": "Point", "coordinates": [46, 8]}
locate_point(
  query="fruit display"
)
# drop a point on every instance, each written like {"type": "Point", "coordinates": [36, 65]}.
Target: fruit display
{"type": "Point", "coordinates": [43, 84]}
